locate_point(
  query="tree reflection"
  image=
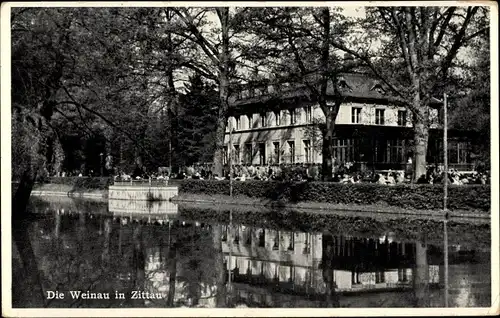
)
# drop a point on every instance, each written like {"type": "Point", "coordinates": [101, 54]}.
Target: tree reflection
{"type": "Point", "coordinates": [332, 299]}
{"type": "Point", "coordinates": [421, 275]}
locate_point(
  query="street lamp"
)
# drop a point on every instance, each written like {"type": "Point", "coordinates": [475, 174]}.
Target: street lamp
{"type": "Point", "coordinates": [101, 164]}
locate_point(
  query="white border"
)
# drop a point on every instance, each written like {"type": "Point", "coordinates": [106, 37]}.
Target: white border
{"type": "Point", "coordinates": [144, 312]}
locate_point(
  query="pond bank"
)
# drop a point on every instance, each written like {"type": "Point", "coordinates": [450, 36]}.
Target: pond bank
{"type": "Point", "coordinates": [321, 207]}
{"type": "Point", "coordinates": [63, 190]}
{"type": "Point", "coordinates": [243, 200]}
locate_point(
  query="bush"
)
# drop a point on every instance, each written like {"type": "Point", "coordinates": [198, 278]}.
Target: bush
{"type": "Point", "coordinates": [424, 196]}
{"type": "Point", "coordinates": [83, 183]}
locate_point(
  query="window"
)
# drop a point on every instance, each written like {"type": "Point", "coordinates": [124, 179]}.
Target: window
{"type": "Point", "coordinates": [379, 116]}
{"type": "Point", "coordinates": [263, 120]}
{"type": "Point", "coordinates": [307, 244]}
{"type": "Point", "coordinates": [262, 153]}
{"type": "Point", "coordinates": [356, 115]}
{"type": "Point", "coordinates": [344, 150]}
{"type": "Point", "coordinates": [225, 154]}
{"type": "Point", "coordinates": [293, 116]}
{"type": "Point", "coordinates": [238, 123]}
{"type": "Point", "coordinates": [402, 117]}
{"type": "Point", "coordinates": [379, 277]}
{"type": "Point", "coordinates": [291, 246]}
{"type": "Point", "coordinates": [276, 148]}
{"type": "Point", "coordinates": [276, 245]}
{"type": "Point", "coordinates": [248, 153]}
{"type": "Point", "coordinates": [262, 238]}
{"type": "Point", "coordinates": [277, 118]}
{"type": "Point", "coordinates": [458, 151]}
{"type": "Point", "coordinates": [291, 150]}
{"type": "Point", "coordinates": [308, 110]}
{"type": "Point", "coordinates": [236, 154]}
{"type": "Point", "coordinates": [250, 121]}
{"type": "Point", "coordinates": [307, 151]}
{"type": "Point", "coordinates": [397, 150]}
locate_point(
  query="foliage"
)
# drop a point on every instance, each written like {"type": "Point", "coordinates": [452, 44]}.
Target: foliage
{"type": "Point", "coordinates": [82, 183]}
{"type": "Point", "coordinates": [196, 123]}
{"type": "Point", "coordinates": [474, 197]}
{"type": "Point", "coordinates": [404, 229]}
{"type": "Point", "coordinates": [413, 51]}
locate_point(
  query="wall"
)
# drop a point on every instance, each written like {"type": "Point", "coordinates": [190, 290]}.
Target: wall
{"type": "Point", "coordinates": [250, 130]}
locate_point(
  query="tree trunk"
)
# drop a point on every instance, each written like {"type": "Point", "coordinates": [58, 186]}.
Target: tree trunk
{"type": "Point", "coordinates": [421, 139]}
{"type": "Point", "coordinates": [331, 296]}
{"type": "Point", "coordinates": [31, 277]}
{"type": "Point", "coordinates": [139, 262]}
{"type": "Point", "coordinates": [421, 276]}
{"type": "Point", "coordinates": [172, 270]}
{"type": "Point", "coordinates": [220, 298]}
{"type": "Point", "coordinates": [219, 146]}
{"type": "Point", "coordinates": [327, 151]}
{"type": "Point", "coordinates": [223, 92]}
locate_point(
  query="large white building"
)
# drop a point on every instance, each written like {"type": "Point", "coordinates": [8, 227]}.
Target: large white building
{"type": "Point", "coordinates": [277, 124]}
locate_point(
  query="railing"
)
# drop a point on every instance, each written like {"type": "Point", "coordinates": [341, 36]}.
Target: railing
{"type": "Point", "coordinates": [142, 183]}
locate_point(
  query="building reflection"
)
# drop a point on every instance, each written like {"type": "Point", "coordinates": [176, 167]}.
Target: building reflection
{"type": "Point", "coordinates": [310, 264]}
{"type": "Point", "coordinates": [269, 267]}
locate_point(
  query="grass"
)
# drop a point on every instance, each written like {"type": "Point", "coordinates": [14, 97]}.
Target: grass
{"type": "Point", "coordinates": [318, 206]}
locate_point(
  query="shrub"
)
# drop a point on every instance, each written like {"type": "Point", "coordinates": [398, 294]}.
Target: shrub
{"type": "Point", "coordinates": [424, 196]}
{"type": "Point", "coordinates": [83, 183]}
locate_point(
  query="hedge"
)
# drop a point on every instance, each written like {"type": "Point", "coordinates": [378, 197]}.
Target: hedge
{"type": "Point", "coordinates": [417, 196]}
{"type": "Point", "coordinates": [421, 196]}
{"type": "Point", "coordinates": [83, 183]}
{"type": "Point", "coordinates": [404, 229]}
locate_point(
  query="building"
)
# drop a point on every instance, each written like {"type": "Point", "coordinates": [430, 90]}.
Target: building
{"type": "Point", "coordinates": [277, 124]}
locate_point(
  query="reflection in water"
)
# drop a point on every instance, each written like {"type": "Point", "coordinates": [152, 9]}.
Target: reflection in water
{"type": "Point", "coordinates": [174, 262]}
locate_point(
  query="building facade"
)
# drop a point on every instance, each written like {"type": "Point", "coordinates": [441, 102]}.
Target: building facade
{"type": "Point", "coordinates": [278, 124]}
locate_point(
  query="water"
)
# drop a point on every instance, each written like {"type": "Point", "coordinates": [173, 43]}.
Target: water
{"type": "Point", "coordinates": [164, 255]}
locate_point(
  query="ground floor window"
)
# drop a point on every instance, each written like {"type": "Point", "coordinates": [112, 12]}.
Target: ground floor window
{"type": "Point", "coordinates": [225, 157]}
{"type": "Point", "coordinates": [307, 151]}
{"type": "Point", "coordinates": [291, 150]}
{"type": "Point", "coordinates": [396, 150]}
{"type": "Point", "coordinates": [262, 153]}
{"type": "Point", "coordinates": [248, 153]}
{"type": "Point", "coordinates": [345, 150]}
{"type": "Point", "coordinates": [458, 151]}
{"type": "Point", "coordinates": [276, 152]}
{"type": "Point", "coordinates": [236, 154]}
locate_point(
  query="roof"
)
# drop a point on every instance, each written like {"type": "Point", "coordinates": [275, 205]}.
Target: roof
{"type": "Point", "coordinates": [353, 86]}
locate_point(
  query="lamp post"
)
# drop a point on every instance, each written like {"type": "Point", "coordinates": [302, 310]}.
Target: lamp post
{"type": "Point", "coordinates": [101, 164]}
{"type": "Point", "coordinates": [445, 197]}
{"type": "Point", "coordinates": [445, 149]}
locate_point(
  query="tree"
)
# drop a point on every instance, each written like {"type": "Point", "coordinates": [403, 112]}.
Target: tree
{"type": "Point", "coordinates": [470, 103]}
{"type": "Point", "coordinates": [295, 43]}
{"type": "Point", "coordinates": [197, 119]}
{"type": "Point", "coordinates": [415, 54]}
{"type": "Point", "coordinates": [194, 28]}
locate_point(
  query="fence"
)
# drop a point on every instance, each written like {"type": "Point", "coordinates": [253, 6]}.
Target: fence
{"type": "Point", "coordinates": [142, 183]}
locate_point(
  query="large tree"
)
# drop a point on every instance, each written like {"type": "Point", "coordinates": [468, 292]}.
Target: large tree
{"type": "Point", "coordinates": [197, 119]}
{"type": "Point", "coordinates": [216, 62]}
{"type": "Point", "coordinates": [414, 52]}
{"type": "Point", "coordinates": [294, 44]}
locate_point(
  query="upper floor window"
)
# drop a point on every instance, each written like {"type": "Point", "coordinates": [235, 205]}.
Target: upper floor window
{"type": "Point", "coordinates": [238, 123]}
{"type": "Point", "coordinates": [356, 115]}
{"type": "Point", "coordinates": [263, 120]}
{"type": "Point", "coordinates": [402, 117]}
{"type": "Point", "coordinates": [277, 118]}
{"type": "Point", "coordinates": [293, 116]}
{"type": "Point", "coordinates": [308, 110]}
{"type": "Point", "coordinates": [379, 116]}
{"type": "Point", "coordinates": [250, 121]}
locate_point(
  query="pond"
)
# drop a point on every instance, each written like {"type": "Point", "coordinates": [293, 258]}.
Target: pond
{"type": "Point", "coordinates": [136, 254]}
